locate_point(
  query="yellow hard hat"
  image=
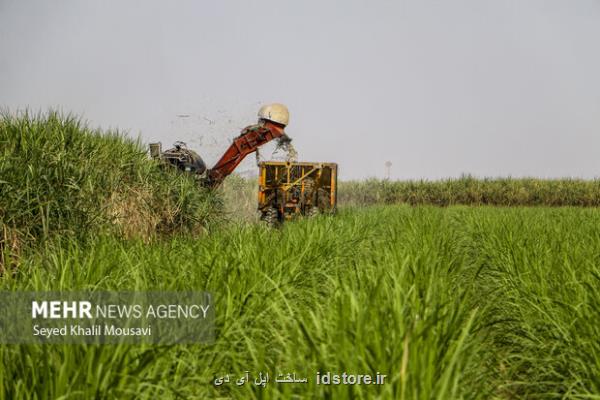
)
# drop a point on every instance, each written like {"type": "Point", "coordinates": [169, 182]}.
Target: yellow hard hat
{"type": "Point", "coordinates": [275, 112]}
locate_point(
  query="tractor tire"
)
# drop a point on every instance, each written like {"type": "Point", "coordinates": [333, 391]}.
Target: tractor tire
{"type": "Point", "coordinates": [270, 217]}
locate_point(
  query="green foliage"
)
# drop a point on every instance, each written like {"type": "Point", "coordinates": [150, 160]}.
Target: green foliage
{"type": "Point", "coordinates": [240, 198]}
{"type": "Point", "coordinates": [449, 303]}
{"type": "Point", "coordinates": [59, 177]}
{"type": "Point", "coordinates": [472, 191]}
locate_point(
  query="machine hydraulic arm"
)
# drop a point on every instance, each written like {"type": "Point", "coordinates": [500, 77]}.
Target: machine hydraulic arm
{"type": "Point", "coordinates": [246, 143]}
{"type": "Point", "coordinates": [272, 120]}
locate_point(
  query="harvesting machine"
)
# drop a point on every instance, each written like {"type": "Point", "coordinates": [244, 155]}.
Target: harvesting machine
{"type": "Point", "coordinates": [285, 188]}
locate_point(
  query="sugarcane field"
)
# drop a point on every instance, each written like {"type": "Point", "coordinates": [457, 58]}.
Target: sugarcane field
{"type": "Point", "coordinates": [299, 200]}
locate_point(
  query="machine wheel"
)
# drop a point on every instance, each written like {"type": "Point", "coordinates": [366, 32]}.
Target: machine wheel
{"type": "Point", "coordinates": [270, 216]}
{"type": "Point", "coordinates": [313, 212]}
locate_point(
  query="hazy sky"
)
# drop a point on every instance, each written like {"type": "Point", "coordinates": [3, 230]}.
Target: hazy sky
{"type": "Point", "coordinates": [438, 88]}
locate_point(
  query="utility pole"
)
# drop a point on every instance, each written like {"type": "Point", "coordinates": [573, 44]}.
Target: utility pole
{"type": "Point", "coordinates": [388, 167]}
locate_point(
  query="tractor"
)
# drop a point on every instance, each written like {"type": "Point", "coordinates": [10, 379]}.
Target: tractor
{"type": "Point", "coordinates": [286, 189]}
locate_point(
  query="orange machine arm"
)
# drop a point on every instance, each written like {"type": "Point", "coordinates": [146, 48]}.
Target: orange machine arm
{"type": "Point", "coordinates": [251, 138]}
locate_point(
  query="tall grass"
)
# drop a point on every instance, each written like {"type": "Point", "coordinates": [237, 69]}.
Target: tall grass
{"type": "Point", "coordinates": [60, 177]}
{"type": "Point", "coordinates": [241, 193]}
{"type": "Point", "coordinates": [240, 198]}
{"type": "Point", "coordinates": [543, 272]}
{"type": "Point", "coordinates": [468, 190]}
{"type": "Point", "coordinates": [448, 302]}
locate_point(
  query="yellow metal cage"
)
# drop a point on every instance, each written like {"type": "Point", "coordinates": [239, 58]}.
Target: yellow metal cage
{"type": "Point", "coordinates": [286, 189]}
